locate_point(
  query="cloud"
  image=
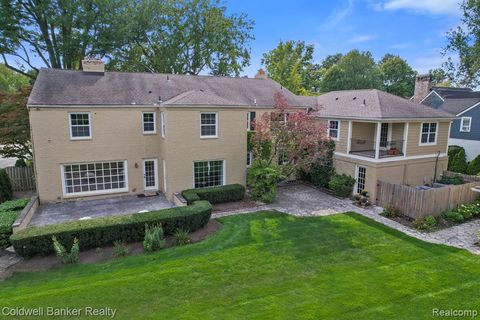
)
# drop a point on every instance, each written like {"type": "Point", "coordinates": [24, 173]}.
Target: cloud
{"type": "Point", "coordinates": [361, 38]}
{"type": "Point", "coordinates": [338, 14]}
{"type": "Point", "coordinates": [436, 7]}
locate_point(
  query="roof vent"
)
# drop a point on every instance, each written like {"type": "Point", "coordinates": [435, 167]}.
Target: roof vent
{"type": "Point", "coordinates": [354, 98]}
{"type": "Point", "coordinates": [336, 98]}
{"type": "Point", "coordinates": [254, 101]}
{"type": "Point", "coordinates": [160, 98]}
{"type": "Point", "coordinates": [91, 65]}
{"type": "Point", "coordinates": [149, 91]}
{"type": "Point", "coordinates": [364, 103]}
{"type": "Point", "coordinates": [168, 77]}
{"type": "Point", "coordinates": [133, 102]}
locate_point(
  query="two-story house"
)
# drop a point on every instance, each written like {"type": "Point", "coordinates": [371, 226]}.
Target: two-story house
{"type": "Point", "coordinates": [463, 104]}
{"type": "Point", "coordinates": [100, 134]}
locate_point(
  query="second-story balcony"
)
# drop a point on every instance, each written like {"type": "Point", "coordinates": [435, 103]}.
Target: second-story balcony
{"type": "Point", "coordinates": [377, 140]}
{"type": "Point", "coordinates": [367, 148]}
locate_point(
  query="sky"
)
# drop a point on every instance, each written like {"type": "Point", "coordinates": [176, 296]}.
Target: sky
{"type": "Point", "coordinates": [413, 29]}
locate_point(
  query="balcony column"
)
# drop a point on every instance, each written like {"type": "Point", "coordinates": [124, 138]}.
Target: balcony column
{"type": "Point", "coordinates": [349, 141]}
{"type": "Point", "coordinates": [377, 140]}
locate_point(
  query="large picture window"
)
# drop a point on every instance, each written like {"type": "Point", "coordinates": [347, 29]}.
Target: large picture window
{"type": "Point", "coordinates": [80, 125]}
{"type": "Point", "coordinates": [429, 133]}
{"type": "Point", "coordinates": [95, 177]}
{"type": "Point", "coordinates": [208, 173]}
{"type": "Point", "coordinates": [209, 125]}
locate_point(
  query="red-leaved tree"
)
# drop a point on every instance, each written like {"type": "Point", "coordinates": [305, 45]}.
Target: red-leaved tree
{"type": "Point", "coordinates": [290, 134]}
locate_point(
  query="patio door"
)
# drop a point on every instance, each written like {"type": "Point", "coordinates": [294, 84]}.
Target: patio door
{"type": "Point", "coordinates": [384, 134]}
{"type": "Point", "coordinates": [150, 176]}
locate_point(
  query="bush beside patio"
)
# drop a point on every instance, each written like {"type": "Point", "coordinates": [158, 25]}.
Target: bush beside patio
{"type": "Point", "coordinates": [104, 231]}
{"type": "Point", "coordinates": [9, 212]}
{"type": "Point", "coordinates": [220, 194]}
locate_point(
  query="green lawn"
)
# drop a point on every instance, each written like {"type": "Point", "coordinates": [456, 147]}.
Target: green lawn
{"type": "Point", "coordinates": [270, 266]}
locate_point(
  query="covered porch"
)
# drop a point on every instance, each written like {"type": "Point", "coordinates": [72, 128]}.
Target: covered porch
{"type": "Point", "coordinates": [377, 140]}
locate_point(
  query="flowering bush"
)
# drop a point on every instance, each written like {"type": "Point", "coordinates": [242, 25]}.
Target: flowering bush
{"type": "Point", "coordinates": [469, 210]}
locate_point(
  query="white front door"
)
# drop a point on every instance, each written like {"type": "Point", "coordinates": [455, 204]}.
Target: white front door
{"type": "Point", "coordinates": [150, 174]}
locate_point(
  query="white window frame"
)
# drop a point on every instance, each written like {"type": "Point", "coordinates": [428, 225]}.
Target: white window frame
{"type": "Point", "coordinates": [249, 158]}
{"type": "Point", "coordinates": [97, 192]}
{"type": "Point", "coordinates": [89, 126]}
{"type": "Point", "coordinates": [163, 124]}
{"type": "Point", "coordinates": [216, 125]}
{"type": "Point", "coordinates": [224, 171]}
{"type": "Point", "coordinates": [338, 130]}
{"type": "Point", "coordinates": [249, 120]}
{"type": "Point", "coordinates": [420, 143]}
{"type": "Point", "coordinates": [154, 131]}
{"type": "Point", "coordinates": [155, 164]}
{"type": "Point", "coordinates": [357, 172]}
{"type": "Point", "coordinates": [469, 124]}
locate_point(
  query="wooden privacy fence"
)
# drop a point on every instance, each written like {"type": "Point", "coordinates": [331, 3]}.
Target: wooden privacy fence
{"type": "Point", "coordinates": [22, 178]}
{"type": "Point", "coordinates": [418, 204]}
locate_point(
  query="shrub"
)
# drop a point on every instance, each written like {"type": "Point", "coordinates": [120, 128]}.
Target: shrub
{"type": "Point", "coordinates": [14, 205]}
{"type": "Point", "coordinates": [456, 180]}
{"type": "Point", "coordinates": [458, 163]}
{"type": "Point", "coordinates": [263, 179]}
{"type": "Point", "coordinates": [62, 253]}
{"type": "Point", "coordinates": [227, 193]}
{"type": "Point", "coordinates": [342, 185]}
{"type": "Point", "coordinates": [6, 191]}
{"type": "Point", "coordinates": [469, 210]}
{"type": "Point", "coordinates": [7, 218]}
{"type": "Point", "coordinates": [153, 239]}
{"type": "Point", "coordinates": [104, 231]}
{"type": "Point", "coordinates": [429, 223]}
{"type": "Point", "coordinates": [120, 249]}
{"type": "Point", "coordinates": [474, 166]}
{"type": "Point", "coordinates": [453, 216]}
{"type": "Point", "coordinates": [20, 163]}
{"type": "Point", "coordinates": [323, 170]}
{"type": "Point", "coordinates": [453, 150]}
{"type": "Point", "coordinates": [390, 211]}
{"type": "Point", "coordinates": [180, 237]}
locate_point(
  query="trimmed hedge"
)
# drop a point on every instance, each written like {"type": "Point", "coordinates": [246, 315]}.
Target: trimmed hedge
{"type": "Point", "coordinates": [104, 231]}
{"type": "Point", "coordinates": [6, 191]}
{"type": "Point", "coordinates": [9, 212]}
{"type": "Point", "coordinates": [227, 193]}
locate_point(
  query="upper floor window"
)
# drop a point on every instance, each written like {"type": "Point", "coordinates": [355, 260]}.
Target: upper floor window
{"type": "Point", "coordinates": [283, 158]}
{"type": "Point", "coordinates": [465, 124]}
{"type": "Point", "coordinates": [251, 120]}
{"type": "Point", "coordinates": [280, 116]}
{"type": "Point", "coordinates": [334, 129]}
{"type": "Point", "coordinates": [80, 125]}
{"type": "Point", "coordinates": [209, 125]}
{"type": "Point", "coordinates": [428, 135]}
{"type": "Point", "coordinates": [149, 125]}
{"type": "Point", "coordinates": [163, 125]}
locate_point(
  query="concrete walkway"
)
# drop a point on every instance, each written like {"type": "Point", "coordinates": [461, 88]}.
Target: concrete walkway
{"type": "Point", "coordinates": [302, 200]}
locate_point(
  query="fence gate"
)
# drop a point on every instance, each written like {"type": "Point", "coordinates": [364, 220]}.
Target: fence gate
{"type": "Point", "coordinates": [22, 178]}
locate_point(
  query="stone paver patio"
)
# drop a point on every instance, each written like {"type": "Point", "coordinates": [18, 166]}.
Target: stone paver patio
{"type": "Point", "coordinates": [69, 211]}
{"type": "Point", "coordinates": [303, 200]}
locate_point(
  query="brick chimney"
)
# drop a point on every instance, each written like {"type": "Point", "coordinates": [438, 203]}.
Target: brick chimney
{"type": "Point", "coordinates": [423, 84]}
{"type": "Point", "coordinates": [261, 74]}
{"type": "Point", "coordinates": [90, 65]}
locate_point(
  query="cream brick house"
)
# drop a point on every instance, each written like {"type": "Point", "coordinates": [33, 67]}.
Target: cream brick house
{"type": "Point", "coordinates": [100, 134]}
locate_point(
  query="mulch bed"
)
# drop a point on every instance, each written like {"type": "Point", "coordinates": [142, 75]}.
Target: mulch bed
{"type": "Point", "coordinates": [40, 263]}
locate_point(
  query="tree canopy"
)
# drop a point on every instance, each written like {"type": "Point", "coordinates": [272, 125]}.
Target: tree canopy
{"type": "Point", "coordinates": [187, 36]}
{"type": "Point", "coordinates": [291, 64]}
{"type": "Point", "coordinates": [11, 80]}
{"type": "Point", "coordinates": [397, 76]}
{"type": "Point", "coordinates": [465, 41]}
{"type": "Point", "coordinates": [355, 70]}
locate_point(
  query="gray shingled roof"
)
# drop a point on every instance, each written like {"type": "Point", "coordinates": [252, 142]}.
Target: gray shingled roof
{"type": "Point", "coordinates": [67, 87]}
{"type": "Point", "coordinates": [456, 93]}
{"type": "Point", "coordinates": [372, 104]}
{"type": "Point", "coordinates": [455, 106]}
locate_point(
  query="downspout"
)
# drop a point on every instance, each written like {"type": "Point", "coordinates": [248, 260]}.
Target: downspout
{"type": "Point", "coordinates": [436, 164]}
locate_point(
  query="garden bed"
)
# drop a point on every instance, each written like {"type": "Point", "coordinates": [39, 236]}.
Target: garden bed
{"type": "Point", "coordinates": [40, 263]}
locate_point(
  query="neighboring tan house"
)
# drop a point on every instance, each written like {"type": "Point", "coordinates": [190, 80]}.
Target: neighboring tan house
{"type": "Point", "coordinates": [99, 134]}
{"type": "Point", "coordinates": [380, 136]}
{"type": "Point", "coordinates": [463, 104]}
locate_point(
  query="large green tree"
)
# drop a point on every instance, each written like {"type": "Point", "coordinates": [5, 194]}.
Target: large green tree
{"type": "Point", "coordinates": [355, 70]}
{"type": "Point", "coordinates": [187, 37]}
{"type": "Point", "coordinates": [397, 76]}
{"type": "Point", "coordinates": [59, 33]}
{"type": "Point", "coordinates": [291, 65]}
{"type": "Point", "coordinates": [465, 41]}
{"type": "Point", "coordinates": [11, 80]}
